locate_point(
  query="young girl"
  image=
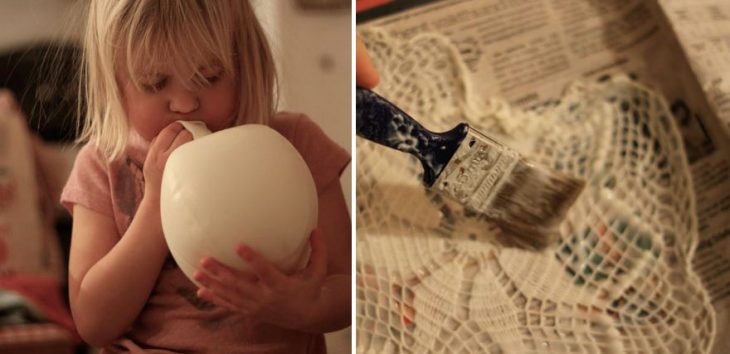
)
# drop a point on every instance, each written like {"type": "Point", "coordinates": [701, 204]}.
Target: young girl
{"type": "Point", "coordinates": [147, 64]}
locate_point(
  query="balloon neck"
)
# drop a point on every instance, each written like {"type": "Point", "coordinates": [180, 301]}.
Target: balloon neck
{"type": "Point", "coordinates": [197, 128]}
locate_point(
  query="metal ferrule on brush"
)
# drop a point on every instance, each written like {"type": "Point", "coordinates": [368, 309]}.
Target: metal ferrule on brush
{"type": "Point", "coordinates": [477, 171]}
{"type": "Point", "coordinates": [525, 199]}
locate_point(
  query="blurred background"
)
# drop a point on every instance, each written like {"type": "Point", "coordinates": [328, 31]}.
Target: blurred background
{"type": "Point", "coordinates": [311, 40]}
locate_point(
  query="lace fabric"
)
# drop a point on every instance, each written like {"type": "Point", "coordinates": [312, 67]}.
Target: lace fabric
{"type": "Point", "coordinates": [435, 278]}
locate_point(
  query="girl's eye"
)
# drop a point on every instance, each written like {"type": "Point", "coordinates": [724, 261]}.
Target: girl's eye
{"type": "Point", "coordinates": [213, 79]}
{"type": "Point", "coordinates": [211, 72]}
{"type": "Point", "coordinates": [157, 86]}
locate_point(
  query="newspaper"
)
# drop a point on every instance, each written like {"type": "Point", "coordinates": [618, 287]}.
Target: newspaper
{"type": "Point", "coordinates": [526, 51]}
{"type": "Point", "coordinates": [703, 29]}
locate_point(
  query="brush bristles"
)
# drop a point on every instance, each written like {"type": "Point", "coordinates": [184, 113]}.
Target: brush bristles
{"type": "Point", "coordinates": [528, 201]}
{"type": "Point", "coordinates": [532, 202]}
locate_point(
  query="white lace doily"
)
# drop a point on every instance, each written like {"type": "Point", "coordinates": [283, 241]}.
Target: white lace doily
{"type": "Point", "coordinates": [432, 278]}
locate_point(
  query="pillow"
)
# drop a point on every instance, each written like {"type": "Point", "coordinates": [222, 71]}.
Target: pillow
{"type": "Point", "coordinates": [30, 257]}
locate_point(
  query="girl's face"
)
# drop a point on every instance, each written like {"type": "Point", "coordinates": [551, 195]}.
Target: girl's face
{"type": "Point", "coordinates": [164, 98]}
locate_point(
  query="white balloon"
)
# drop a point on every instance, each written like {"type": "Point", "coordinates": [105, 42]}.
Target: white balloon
{"type": "Point", "coordinates": [245, 184]}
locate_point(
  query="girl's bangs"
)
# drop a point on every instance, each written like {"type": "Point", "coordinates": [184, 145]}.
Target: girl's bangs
{"type": "Point", "coordinates": [181, 42]}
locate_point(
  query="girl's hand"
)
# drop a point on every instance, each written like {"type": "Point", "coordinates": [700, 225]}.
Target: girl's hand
{"type": "Point", "coordinates": [169, 139]}
{"type": "Point", "coordinates": [266, 293]}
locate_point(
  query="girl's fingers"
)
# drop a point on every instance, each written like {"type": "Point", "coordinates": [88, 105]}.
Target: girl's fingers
{"type": "Point", "coordinates": [264, 270]}
{"type": "Point", "coordinates": [219, 276]}
{"type": "Point", "coordinates": [224, 273]}
{"type": "Point", "coordinates": [223, 289]}
{"type": "Point", "coordinates": [211, 296]}
{"type": "Point", "coordinates": [167, 136]}
{"type": "Point", "coordinates": [237, 292]}
{"type": "Point", "coordinates": [317, 267]}
{"type": "Point", "coordinates": [181, 138]}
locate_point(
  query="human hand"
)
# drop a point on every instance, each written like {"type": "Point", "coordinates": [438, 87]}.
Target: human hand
{"type": "Point", "coordinates": [365, 73]}
{"type": "Point", "coordinates": [266, 293]}
{"type": "Point", "coordinates": [169, 139]}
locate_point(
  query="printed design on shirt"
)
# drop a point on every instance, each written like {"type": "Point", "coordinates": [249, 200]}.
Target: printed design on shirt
{"type": "Point", "coordinates": [219, 322]}
{"type": "Point", "coordinates": [129, 189]}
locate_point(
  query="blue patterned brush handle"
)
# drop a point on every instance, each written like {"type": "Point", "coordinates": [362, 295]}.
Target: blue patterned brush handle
{"type": "Point", "coordinates": [382, 122]}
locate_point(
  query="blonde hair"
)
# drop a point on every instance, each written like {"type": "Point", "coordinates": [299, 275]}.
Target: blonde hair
{"type": "Point", "coordinates": [126, 34]}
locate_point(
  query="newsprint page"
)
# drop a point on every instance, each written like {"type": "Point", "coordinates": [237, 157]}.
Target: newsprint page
{"type": "Point", "coordinates": [679, 47]}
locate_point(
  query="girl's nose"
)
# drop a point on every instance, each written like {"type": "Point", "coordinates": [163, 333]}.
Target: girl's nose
{"type": "Point", "coordinates": [183, 101]}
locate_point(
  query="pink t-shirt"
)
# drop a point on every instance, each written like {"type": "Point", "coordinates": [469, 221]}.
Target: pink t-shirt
{"type": "Point", "coordinates": [175, 320]}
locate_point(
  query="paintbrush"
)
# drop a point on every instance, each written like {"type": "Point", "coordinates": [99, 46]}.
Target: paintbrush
{"type": "Point", "coordinates": [525, 199]}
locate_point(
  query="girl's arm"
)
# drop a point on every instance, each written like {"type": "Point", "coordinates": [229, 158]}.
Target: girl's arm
{"type": "Point", "coordinates": [332, 310]}
{"type": "Point", "coordinates": [110, 278]}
